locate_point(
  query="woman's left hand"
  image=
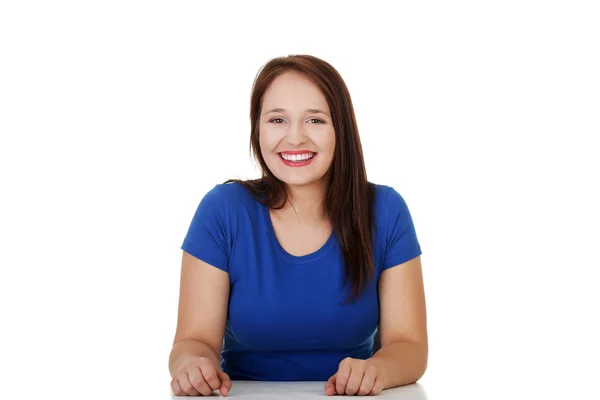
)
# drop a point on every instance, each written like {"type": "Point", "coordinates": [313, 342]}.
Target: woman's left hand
{"type": "Point", "coordinates": [356, 376]}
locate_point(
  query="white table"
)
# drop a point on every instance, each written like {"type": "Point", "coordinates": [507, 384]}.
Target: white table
{"type": "Point", "coordinates": [309, 390]}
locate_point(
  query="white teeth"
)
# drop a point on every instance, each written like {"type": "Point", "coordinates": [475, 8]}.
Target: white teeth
{"type": "Point", "coordinates": [297, 157]}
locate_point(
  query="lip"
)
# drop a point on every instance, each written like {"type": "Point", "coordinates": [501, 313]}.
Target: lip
{"type": "Point", "coordinates": [300, 163]}
{"type": "Point", "coordinates": [297, 152]}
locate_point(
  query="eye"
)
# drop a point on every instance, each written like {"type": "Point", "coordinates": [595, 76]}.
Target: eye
{"type": "Point", "coordinates": [275, 119]}
{"type": "Point", "coordinates": [316, 119]}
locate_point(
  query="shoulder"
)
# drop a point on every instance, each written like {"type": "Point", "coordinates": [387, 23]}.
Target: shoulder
{"type": "Point", "coordinates": [230, 190]}
{"type": "Point", "coordinates": [228, 194]}
{"type": "Point", "coordinates": [387, 196]}
{"type": "Point", "coordinates": [229, 197]}
{"type": "Point", "coordinates": [389, 207]}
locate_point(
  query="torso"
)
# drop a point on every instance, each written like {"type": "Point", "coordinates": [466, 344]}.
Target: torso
{"type": "Point", "coordinates": [287, 314]}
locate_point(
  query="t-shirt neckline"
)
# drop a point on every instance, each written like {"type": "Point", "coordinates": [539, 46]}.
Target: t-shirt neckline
{"type": "Point", "coordinates": [290, 257]}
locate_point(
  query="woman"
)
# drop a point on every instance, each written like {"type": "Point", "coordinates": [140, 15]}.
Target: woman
{"type": "Point", "coordinates": [290, 276]}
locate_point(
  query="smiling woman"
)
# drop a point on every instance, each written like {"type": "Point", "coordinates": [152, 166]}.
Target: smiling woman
{"type": "Point", "coordinates": [295, 135]}
{"type": "Point", "coordinates": [290, 276]}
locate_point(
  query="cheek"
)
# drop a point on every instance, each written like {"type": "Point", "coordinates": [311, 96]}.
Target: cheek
{"type": "Point", "coordinates": [264, 144]}
{"type": "Point", "coordinates": [267, 146]}
{"type": "Point", "coordinates": [330, 142]}
{"type": "Point", "coordinates": [330, 148]}
{"type": "Point", "coordinates": [267, 141]}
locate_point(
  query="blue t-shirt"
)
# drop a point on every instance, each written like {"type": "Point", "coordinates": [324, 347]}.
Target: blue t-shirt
{"type": "Point", "coordinates": [287, 320]}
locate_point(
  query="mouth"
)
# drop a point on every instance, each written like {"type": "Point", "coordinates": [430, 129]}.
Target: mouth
{"type": "Point", "coordinates": [297, 159]}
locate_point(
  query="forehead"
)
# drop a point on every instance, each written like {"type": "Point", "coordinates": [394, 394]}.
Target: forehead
{"type": "Point", "coordinates": [293, 90]}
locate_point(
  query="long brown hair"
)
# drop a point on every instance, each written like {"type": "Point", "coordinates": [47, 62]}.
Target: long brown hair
{"type": "Point", "coordinates": [349, 201]}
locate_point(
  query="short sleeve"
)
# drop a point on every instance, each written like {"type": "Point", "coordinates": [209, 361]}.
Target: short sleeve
{"type": "Point", "coordinates": [402, 243]}
{"type": "Point", "coordinates": [207, 236]}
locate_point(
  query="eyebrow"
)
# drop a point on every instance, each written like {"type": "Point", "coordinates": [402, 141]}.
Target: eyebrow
{"type": "Point", "coordinates": [310, 110]}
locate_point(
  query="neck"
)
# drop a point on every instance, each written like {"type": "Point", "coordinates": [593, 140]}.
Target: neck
{"type": "Point", "coordinates": [307, 203]}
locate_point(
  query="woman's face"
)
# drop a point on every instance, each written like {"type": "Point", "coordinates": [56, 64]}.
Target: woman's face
{"type": "Point", "coordinates": [297, 139]}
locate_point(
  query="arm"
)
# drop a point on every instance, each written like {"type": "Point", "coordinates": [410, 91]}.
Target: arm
{"type": "Point", "coordinates": [202, 314]}
{"type": "Point", "coordinates": [402, 358]}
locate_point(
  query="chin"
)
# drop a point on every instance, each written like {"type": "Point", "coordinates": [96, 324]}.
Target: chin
{"type": "Point", "coordinates": [301, 177]}
{"type": "Point", "coordinates": [299, 180]}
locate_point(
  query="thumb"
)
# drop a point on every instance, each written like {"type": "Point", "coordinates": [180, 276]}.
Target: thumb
{"type": "Point", "coordinates": [330, 385]}
{"type": "Point", "coordinates": [225, 383]}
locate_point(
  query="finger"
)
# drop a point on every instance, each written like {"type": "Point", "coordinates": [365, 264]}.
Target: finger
{"type": "Point", "coordinates": [330, 385]}
{"type": "Point", "coordinates": [177, 390]}
{"type": "Point", "coordinates": [377, 387]}
{"type": "Point", "coordinates": [211, 377]}
{"type": "Point", "coordinates": [356, 375]}
{"type": "Point", "coordinates": [186, 386]}
{"type": "Point", "coordinates": [343, 374]}
{"type": "Point", "coordinates": [225, 383]}
{"type": "Point", "coordinates": [198, 382]}
{"type": "Point", "coordinates": [368, 381]}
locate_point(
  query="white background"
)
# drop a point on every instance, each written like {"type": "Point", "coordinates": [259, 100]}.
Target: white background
{"type": "Point", "coordinates": [116, 117]}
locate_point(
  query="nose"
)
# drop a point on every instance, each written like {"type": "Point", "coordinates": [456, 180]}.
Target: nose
{"type": "Point", "coordinates": [296, 134]}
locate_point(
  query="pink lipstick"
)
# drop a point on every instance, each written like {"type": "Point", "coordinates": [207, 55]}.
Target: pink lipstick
{"type": "Point", "coordinates": [297, 158]}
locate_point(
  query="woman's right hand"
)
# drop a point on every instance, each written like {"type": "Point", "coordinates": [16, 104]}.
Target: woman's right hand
{"type": "Point", "coordinates": [200, 376]}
